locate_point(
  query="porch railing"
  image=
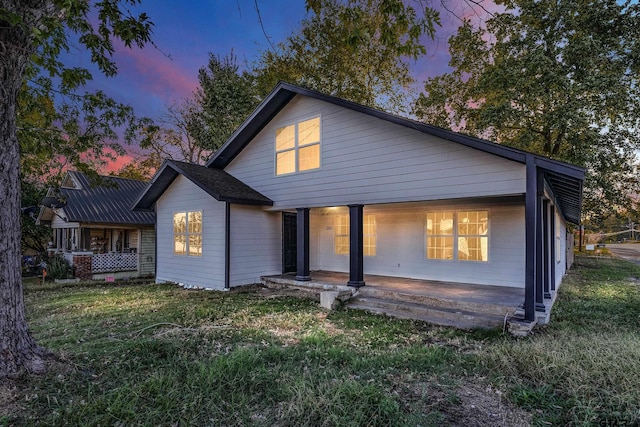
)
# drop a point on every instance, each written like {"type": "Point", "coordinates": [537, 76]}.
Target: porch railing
{"type": "Point", "coordinates": [102, 263]}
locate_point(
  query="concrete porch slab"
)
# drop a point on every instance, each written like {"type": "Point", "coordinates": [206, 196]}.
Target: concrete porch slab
{"type": "Point", "coordinates": [453, 304]}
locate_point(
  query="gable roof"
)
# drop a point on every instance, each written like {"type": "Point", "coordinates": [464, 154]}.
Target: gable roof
{"type": "Point", "coordinates": [564, 179]}
{"type": "Point", "coordinates": [215, 182]}
{"type": "Point", "coordinates": [108, 204]}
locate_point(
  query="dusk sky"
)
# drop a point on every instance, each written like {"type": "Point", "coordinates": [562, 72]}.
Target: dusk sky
{"type": "Point", "coordinates": [186, 32]}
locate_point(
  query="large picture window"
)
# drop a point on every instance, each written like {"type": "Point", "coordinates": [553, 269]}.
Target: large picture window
{"type": "Point", "coordinates": [458, 235]}
{"type": "Point", "coordinates": [187, 233]}
{"type": "Point", "coordinates": [341, 235]}
{"type": "Point", "coordinates": [298, 147]}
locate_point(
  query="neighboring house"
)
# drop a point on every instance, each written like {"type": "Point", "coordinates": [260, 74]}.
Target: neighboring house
{"type": "Point", "coordinates": [313, 182]}
{"type": "Point", "coordinates": [95, 229]}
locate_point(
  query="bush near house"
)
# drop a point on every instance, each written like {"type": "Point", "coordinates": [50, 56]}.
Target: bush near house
{"type": "Point", "coordinates": [161, 355]}
{"type": "Point", "coordinates": [59, 268]}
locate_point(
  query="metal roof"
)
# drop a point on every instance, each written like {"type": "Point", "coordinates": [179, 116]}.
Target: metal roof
{"type": "Point", "coordinates": [215, 182]}
{"type": "Point", "coordinates": [564, 179]}
{"type": "Point", "coordinates": [107, 204]}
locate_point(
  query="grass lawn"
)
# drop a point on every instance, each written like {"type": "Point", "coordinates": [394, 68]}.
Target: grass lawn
{"type": "Point", "coordinates": [160, 355]}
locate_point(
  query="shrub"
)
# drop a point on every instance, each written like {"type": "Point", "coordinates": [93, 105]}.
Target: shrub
{"type": "Point", "coordinates": [59, 268]}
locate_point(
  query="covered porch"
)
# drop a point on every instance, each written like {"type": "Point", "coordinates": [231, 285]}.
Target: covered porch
{"type": "Point", "coordinates": [463, 305]}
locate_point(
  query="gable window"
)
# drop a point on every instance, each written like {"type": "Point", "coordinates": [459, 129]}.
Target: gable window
{"type": "Point", "coordinates": [341, 235]}
{"type": "Point", "coordinates": [298, 147]}
{"type": "Point", "coordinates": [458, 235]}
{"type": "Point", "coordinates": [187, 233]}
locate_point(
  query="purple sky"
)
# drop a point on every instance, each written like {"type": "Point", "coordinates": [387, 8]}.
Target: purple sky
{"type": "Point", "coordinates": [151, 78]}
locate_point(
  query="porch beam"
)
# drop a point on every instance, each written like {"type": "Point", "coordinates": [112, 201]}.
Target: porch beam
{"type": "Point", "coordinates": [356, 246]}
{"type": "Point", "coordinates": [539, 260]}
{"type": "Point", "coordinates": [530, 239]}
{"type": "Point", "coordinates": [302, 244]}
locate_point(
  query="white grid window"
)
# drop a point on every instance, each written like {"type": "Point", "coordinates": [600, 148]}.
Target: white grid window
{"type": "Point", "coordinates": [187, 233]}
{"type": "Point", "coordinates": [369, 235]}
{"type": "Point", "coordinates": [461, 235]}
{"type": "Point", "coordinates": [342, 231]}
{"type": "Point", "coordinates": [440, 235]}
{"type": "Point", "coordinates": [298, 147]}
{"type": "Point", "coordinates": [341, 235]}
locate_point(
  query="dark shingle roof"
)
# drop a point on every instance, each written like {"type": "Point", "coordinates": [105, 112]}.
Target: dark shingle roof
{"type": "Point", "coordinates": [564, 179]}
{"type": "Point", "coordinates": [215, 182]}
{"type": "Point", "coordinates": [109, 203]}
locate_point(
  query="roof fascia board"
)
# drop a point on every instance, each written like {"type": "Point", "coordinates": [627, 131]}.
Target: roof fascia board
{"type": "Point", "coordinates": [155, 178]}
{"type": "Point", "coordinates": [245, 133]}
{"type": "Point", "coordinates": [560, 167]}
{"type": "Point", "coordinates": [281, 88]}
{"type": "Point", "coordinates": [169, 168]}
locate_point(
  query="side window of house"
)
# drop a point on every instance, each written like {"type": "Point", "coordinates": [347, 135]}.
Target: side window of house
{"type": "Point", "coordinates": [187, 233]}
{"type": "Point", "coordinates": [458, 235]}
{"type": "Point", "coordinates": [341, 235]}
{"type": "Point", "coordinates": [298, 147]}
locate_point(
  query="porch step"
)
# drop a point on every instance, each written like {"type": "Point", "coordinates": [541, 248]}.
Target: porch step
{"type": "Point", "coordinates": [455, 303]}
{"type": "Point", "coordinates": [439, 315]}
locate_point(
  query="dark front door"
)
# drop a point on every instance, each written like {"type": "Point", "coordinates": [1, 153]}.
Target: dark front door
{"type": "Point", "coordinates": [289, 239]}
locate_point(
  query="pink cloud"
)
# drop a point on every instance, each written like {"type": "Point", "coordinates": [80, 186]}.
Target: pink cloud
{"type": "Point", "coordinates": [118, 163]}
{"type": "Point", "coordinates": [152, 71]}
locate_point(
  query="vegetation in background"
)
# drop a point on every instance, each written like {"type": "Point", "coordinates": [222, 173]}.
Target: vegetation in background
{"type": "Point", "coordinates": [558, 79]}
{"type": "Point", "coordinates": [161, 355]}
{"type": "Point", "coordinates": [32, 36]}
{"type": "Point", "coordinates": [358, 50]}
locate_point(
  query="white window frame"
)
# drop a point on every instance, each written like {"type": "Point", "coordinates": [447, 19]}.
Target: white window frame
{"type": "Point", "coordinates": [298, 146]}
{"type": "Point", "coordinates": [342, 231]}
{"type": "Point", "coordinates": [456, 235]}
{"type": "Point", "coordinates": [188, 234]}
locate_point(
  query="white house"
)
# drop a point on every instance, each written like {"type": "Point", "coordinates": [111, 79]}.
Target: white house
{"type": "Point", "coordinates": [95, 229]}
{"type": "Point", "coordinates": [313, 182]}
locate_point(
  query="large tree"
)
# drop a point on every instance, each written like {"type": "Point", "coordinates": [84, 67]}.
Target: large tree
{"type": "Point", "coordinates": [356, 49]}
{"type": "Point", "coordinates": [225, 98]}
{"type": "Point", "coordinates": [32, 35]}
{"type": "Point", "coordinates": [555, 77]}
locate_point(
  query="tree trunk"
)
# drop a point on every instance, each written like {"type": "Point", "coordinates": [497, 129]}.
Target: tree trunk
{"type": "Point", "coordinates": [18, 350]}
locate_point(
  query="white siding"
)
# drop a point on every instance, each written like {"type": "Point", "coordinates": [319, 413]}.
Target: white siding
{"type": "Point", "coordinates": [147, 251]}
{"type": "Point", "coordinates": [561, 265]}
{"type": "Point", "coordinates": [205, 271]}
{"type": "Point", "coordinates": [256, 244]}
{"type": "Point", "coordinates": [367, 160]}
{"type": "Point", "coordinates": [401, 244]}
{"type": "Point", "coordinates": [58, 222]}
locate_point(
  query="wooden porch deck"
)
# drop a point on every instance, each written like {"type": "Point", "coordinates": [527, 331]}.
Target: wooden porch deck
{"type": "Point", "coordinates": [461, 305]}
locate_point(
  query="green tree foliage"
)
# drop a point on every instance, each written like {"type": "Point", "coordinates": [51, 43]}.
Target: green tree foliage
{"type": "Point", "coordinates": [34, 237]}
{"type": "Point", "coordinates": [80, 132]}
{"type": "Point", "coordinates": [558, 78]}
{"type": "Point", "coordinates": [357, 49]}
{"type": "Point", "coordinates": [32, 36]}
{"type": "Point", "coordinates": [225, 98]}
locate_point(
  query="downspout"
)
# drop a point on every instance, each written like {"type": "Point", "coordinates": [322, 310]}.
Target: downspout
{"type": "Point", "coordinates": [227, 245]}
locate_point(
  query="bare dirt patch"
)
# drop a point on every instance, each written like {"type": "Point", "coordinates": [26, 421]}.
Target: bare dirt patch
{"type": "Point", "coordinates": [485, 406]}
